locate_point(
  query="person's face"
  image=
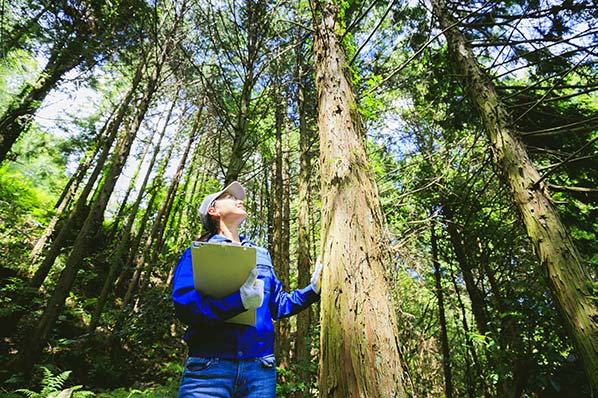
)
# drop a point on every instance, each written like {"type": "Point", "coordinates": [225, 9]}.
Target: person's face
{"type": "Point", "coordinates": [229, 209]}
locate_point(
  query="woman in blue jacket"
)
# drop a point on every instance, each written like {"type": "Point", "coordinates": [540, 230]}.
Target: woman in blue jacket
{"type": "Point", "coordinates": [229, 359]}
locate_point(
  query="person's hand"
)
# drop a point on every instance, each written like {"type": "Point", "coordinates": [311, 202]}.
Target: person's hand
{"type": "Point", "coordinates": [252, 291]}
{"type": "Point", "coordinates": [316, 277]}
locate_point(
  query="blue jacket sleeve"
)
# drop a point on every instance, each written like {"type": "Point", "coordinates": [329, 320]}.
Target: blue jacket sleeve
{"type": "Point", "coordinates": [193, 307]}
{"type": "Point", "coordinates": [283, 304]}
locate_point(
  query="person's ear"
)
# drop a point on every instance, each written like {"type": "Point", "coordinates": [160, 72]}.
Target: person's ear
{"type": "Point", "coordinates": [212, 211]}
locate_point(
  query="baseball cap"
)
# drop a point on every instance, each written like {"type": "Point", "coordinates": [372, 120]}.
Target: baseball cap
{"type": "Point", "coordinates": [234, 188]}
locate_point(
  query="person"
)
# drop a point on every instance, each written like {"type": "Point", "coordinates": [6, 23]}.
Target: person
{"type": "Point", "coordinates": [230, 359]}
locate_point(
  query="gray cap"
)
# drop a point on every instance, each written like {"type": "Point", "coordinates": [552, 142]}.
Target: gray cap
{"type": "Point", "coordinates": [234, 188]}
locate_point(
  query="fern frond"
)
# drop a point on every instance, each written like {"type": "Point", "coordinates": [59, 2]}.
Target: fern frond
{"type": "Point", "coordinates": [57, 382]}
{"type": "Point", "coordinates": [27, 393]}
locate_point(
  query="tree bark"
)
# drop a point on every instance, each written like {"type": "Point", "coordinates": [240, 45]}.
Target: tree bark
{"type": "Point", "coordinates": [304, 206]}
{"type": "Point", "coordinates": [446, 355]}
{"type": "Point", "coordinates": [118, 257]}
{"type": "Point", "coordinates": [29, 354]}
{"type": "Point", "coordinates": [21, 111]}
{"type": "Point", "coordinates": [569, 279]}
{"type": "Point", "coordinates": [80, 210]}
{"type": "Point", "coordinates": [359, 340]}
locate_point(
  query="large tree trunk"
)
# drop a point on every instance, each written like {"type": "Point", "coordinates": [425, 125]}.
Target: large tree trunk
{"type": "Point", "coordinates": [20, 112]}
{"type": "Point", "coordinates": [569, 279]}
{"type": "Point", "coordinates": [446, 355]}
{"type": "Point", "coordinates": [359, 340]}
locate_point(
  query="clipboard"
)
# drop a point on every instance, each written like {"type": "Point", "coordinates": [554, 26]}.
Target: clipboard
{"type": "Point", "coordinates": [221, 269]}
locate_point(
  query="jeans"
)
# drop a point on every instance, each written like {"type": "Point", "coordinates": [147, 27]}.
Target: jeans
{"type": "Point", "coordinates": [229, 378]}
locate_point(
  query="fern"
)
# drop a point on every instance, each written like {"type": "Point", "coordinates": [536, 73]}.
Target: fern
{"type": "Point", "coordinates": [27, 393]}
{"type": "Point", "coordinates": [52, 387]}
{"type": "Point", "coordinates": [53, 383]}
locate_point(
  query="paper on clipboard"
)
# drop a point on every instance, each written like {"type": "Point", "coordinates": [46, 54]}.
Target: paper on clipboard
{"type": "Point", "coordinates": [221, 269]}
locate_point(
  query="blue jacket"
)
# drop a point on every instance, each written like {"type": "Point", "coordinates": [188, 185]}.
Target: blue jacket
{"type": "Point", "coordinates": [209, 336]}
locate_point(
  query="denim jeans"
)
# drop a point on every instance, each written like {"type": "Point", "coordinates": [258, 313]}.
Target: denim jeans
{"type": "Point", "coordinates": [229, 378]}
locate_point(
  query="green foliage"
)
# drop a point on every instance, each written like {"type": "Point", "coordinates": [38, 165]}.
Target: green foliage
{"type": "Point", "coordinates": [427, 151]}
{"type": "Point", "coordinates": [16, 69]}
{"type": "Point", "coordinates": [52, 386]}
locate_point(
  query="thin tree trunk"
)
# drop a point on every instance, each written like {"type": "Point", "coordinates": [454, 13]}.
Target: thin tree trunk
{"type": "Point", "coordinates": [68, 193]}
{"type": "Point", "coordinates": [21, 111]}
{"type": "Point", "coordinates": [569, 279]}
{"type": "Point", "coordinates": [283, 268]}
{"type": "Point", "coordinates": [29, 354]}
{"type": "Point", "coordinates": [80, 210]}
{"type": "Point", "coordinates": [154, 189]}
{"type": "Point", "coordinates": [149, 251]}
{"type": "Point", "coordinates": [118, 257]}
{"type": "Point", "coordinates": [469, 343]}
{"type": "Point", "coordinates": [124, 201]}
{"type": "Point", "coordinates": [475, 294]}
{"type": "Point", "coordinates": [175, 224]}
{"type": "Point", "coordinates": [446, 355]}
{"type": "Point", "coordinates": [280, 264]}
{"type": "Point", "coordinates": [359, 340]}
{"type": "Point", "coordinates": [304, 318]}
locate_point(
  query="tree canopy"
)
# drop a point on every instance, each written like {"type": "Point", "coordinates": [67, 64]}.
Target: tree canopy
{"type": "Point", "coordinates": [440, 157]}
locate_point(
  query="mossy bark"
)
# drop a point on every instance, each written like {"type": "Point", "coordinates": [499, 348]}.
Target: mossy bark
{"type": "Point", "coordinates": [569, 279]}
{"type": "Point", "coordinates": [359, 343]}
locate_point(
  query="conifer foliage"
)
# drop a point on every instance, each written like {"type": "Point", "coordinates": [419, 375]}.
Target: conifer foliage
{"type": "Point", "coordinates": [439, 158]}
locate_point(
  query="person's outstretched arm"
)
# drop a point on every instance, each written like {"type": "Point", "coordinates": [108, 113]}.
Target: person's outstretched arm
{"type": "Point", "coordinates": [283, 304]}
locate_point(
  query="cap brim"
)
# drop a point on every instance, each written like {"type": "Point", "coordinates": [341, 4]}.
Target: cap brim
{"type": "Point", "coordinates": [235, 189]}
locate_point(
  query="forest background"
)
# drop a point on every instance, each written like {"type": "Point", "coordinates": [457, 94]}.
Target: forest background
{"type": "Point", "coordinates": [119, 116]}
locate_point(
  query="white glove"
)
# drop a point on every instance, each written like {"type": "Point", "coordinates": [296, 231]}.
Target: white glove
{"type": "Point", "coordinates": [316, 277]}
{"type": "Point", "coordinates": [252, 291]}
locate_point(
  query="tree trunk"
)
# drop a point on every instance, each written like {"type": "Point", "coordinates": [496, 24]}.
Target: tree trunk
{"type": "Point", "coordinates": [29, 354]}
{"type": "Point", "coordinates": [68, 193]}
{"type": "Point", "coordinates": [184, 197]}
{"type": "Point", "coordinates": [149, 251]}
{"type": "Point", "coordinates": [359, 340]}
{"type": "Point", "coordinates": [569, 279]}
{"type": "Point", "coordinates": [132, 183]}
{"type": "Point", "coordinates": [278, 256]}
{"type": "Point", "coordinates": [304, 206]}
{"type": "Point", "coordinates": [475, 294]}
{"type": "Point", "coordinates": [446, 355]}
{"type": "Point", "coordinates": [21, 111]}
{"type": "Point", "coordinates": [118, 257]}
{"type": "Point", "coordinates": [470, 347]}
{"type": "Point", "coordinates": [80, 210]}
